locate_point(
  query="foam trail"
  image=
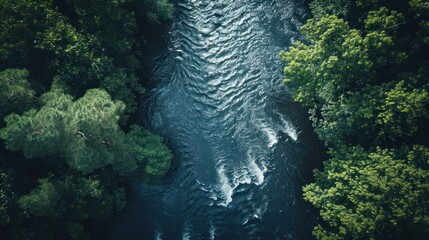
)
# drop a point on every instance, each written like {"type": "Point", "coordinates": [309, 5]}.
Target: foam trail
{"type": "Point", "coordinates": [212, 231]}
{"type": "Point", "coordinates": [251, 173]}
{"type": "Point", "coordinates": [272, 136]}
{"type": "Point", "coordinates": [225, 187]}
{"type": "Point", "coordinates": [186, 235]}
{"type": "Point", "coordinates": [289, 129]}
{"type": "Point", "coordinates": [257, 171]}
{"type": "Point", "coordinates": [158, 235]}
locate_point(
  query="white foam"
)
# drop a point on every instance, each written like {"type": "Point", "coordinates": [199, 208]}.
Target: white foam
{"type": "Point", "coordinates": [289, 129]}
{"type": "Point", "coordinates": [269, 130]}
{"type": "Point", "coordinates": [271, 134]}
{"type": "Point", "coordinates": [158, 235]}
{"type": "Point", "coordinates": [225, 187]}
{"type": "Point", "coordinates": [250, 174]}
{"type": "Point", "coordinates": [186, 235]}
{"type": "Point", "coordinates": [215, 82]}
{"type": "Point", "coordinates": [257, 171]}
{"type": "Point", "coordinates": [262, 210]}
{"type": "Point", "coordinates": [212, 231]}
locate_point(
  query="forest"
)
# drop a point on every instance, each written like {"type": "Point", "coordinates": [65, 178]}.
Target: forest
{"type": "Point", "coordinates": [362, 71]}
{"type": "Point", "coordinates": [70, 80]}
{"type": "Point", "coordinates": [73, 131]}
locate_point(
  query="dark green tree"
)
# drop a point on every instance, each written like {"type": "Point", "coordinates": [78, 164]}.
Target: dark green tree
{"type": "Point", "coordinates": [72, 199]}
{"type": "Point", "coordinates": [112, 24]}
{"type": "Point", "coordinates": [153, 11]}
{"type": "Point", "coordinates": [124, 87]}
{"type": "Point", "coordinates": [8, 196]}
{"type": "Point", "coordinates": [75, 60]}
{"type": "Point", "coordinates": [15, 91]}
{"type": "Point", "coordinates": [74, 152]}
{"type": "Point", "coordinates": [20, 21]}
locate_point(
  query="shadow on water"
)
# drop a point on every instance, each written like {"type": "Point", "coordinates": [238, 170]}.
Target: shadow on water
{"type": "Point", "coordinates": [243, 150]}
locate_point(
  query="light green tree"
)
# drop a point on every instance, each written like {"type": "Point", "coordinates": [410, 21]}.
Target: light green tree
{"type": "Point", "coordinates": [366, 86]}
{"type": "Point", "coordinates": [402, 107]}
{"type": "Point", "coordinates": [363, 195]}
{"type": "Point", "coordinates": [153, 155]}
{"type": "Point", "coordinates": [334, 74]}
{"type": "Point", "coordinates": [85, 133]}
{"type": "Point", "coordinates": [334, 62]}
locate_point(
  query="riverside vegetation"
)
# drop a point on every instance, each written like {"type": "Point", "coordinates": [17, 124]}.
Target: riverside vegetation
{"type": "Point", "coordinates": [69, 80]}
{"type": "Point", "coordinates": [362, 71]}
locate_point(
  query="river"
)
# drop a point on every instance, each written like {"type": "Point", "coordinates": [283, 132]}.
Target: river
{"type": "Point", "coordinates": [243, 149]}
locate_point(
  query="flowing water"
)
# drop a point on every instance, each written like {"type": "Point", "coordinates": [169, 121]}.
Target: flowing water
{"type": "Point", "coordinates": [242, 149]}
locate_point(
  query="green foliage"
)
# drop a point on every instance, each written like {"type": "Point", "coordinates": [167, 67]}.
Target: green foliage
{"type": "Point", "coordinates": [153, 155]}
{"type": "Point", "coordinates": [12, 216]}
{"type": "Point", "coordinates": [93, 50]}
{"type": "Point", "coordinates": [15, 91]}
{"type": "Point", "coordinates": [84, 132]}
{"type": "Point", "coordinates": [349, 119]}
{"type": "Point", "coordinates": [74, 151]}
{"type": "Point", "coordinates": [154, 11]}
{"type": "Point", "coordinates": [74, 59]}
{"type": "Point", "coordinates": [344, 8]}
{"type": "Point", "coordinates": [73, 199]}
{"type": "Point", "coordinates": [336, 61]}
{"type": "Point", "coordinates": [319, 8]}
{"type": "Point", "coordinates": [402, 107]}
{"type": "Point", "coordinates": [383, 20]}
{"type": "Point", "coordinates": [362, 195]}
{"type": "Point", "coordinates": [36, 133]}
{"type": "Point", "coordinates": [123, 86]}
{"type": "Point", "coordinates": [332, 75]}
{"type": "Point", "coordinates": [92, 134]}
{"type": "Point", "coordinates": [366, 86]}
{"type": "Point", "coordinates": [420, 7]}
{"type": "Point", "coordinates": [374, 114]}
{"type": "Point", "coordinates": [112, 25]}
{"type": "Point", "coordinates": [19, 23]}
{"type": "Point", "coordinates": [7, 196]}
{"type": "Point", "coordinates": [43, 201]}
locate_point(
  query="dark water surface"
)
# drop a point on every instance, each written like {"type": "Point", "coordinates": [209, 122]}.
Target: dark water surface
{"type": "Point", "coordinates": [243, 149]}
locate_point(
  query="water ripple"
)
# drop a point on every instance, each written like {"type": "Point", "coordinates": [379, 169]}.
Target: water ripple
{"type": "Point", "coordinates": [214, 103]}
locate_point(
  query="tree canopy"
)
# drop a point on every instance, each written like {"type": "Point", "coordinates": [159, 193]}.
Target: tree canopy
{"type": "Point", "coordinates": [363, 76]}
{"type": "Point", "coordinates": [65, 153]}
{"type": "Point", "coordinates": [15, 91]}
{"type": "Point", "coordinates": [364, 194]}
{"type": "Point", "coordinates": [85, 133]}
